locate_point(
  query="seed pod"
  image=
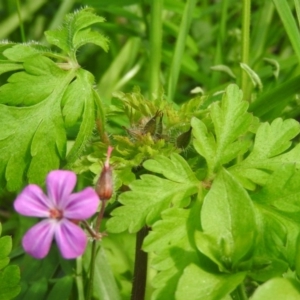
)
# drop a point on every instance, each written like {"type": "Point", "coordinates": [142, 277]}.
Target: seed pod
{"type": "Point", "coordinates": [159, 130]}
{"type": "Point", "coordinates": [151, 124]}
{"type": "Point", "coordinates": [184, 139]}
{"type": "Point", "coordinates": [104, 186]}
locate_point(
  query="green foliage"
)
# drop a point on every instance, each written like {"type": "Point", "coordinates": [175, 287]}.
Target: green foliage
{"type": "Point", "coordinates": [222, 209]}
{"type": "Point", "coordinates": [228, 222]}
{"type": "Point", "coordinates": [48, 98]}
{"type": "Point", "coordinates": [211, 286]}
{"type": "Point", "coordinates": [104, 283]}
{"type": "Point", "coordinates": [209, 218]}
{"type": "Point", "coordinates": [9, 274]}
{"type": "Point", "coordinates": [230, 120]}
{"type": "Point", "coordinates": [151, 195]}
{"type": "Point", "coordinates": [278, 288]}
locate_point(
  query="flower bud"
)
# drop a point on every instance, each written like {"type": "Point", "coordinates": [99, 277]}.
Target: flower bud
{"type": "Point", "coordinates": [104, 186]}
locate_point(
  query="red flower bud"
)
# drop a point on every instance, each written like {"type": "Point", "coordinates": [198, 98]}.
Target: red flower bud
{"type": "Point", "coordinates": [104, 186]}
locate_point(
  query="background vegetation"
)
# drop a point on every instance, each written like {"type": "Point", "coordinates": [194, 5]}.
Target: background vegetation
{"type": "Point", "coordinates": [164, 58]}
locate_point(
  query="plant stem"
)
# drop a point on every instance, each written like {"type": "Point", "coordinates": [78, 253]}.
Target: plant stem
{"type": "Point", "coordinates": [246, 12]}
{"type": "Point", "coordinates": [239, 293]}
{"type": "Point", "coordinates": [140, 267]}
{"type": "Point", "coordinates": [21, 22]}
{"type": "Point", "coordinates": [100, 216]}
{"type": "Point", "coordinates": [79, 278]}
{"type": "Point", "coordinates": [93, 255]}
{"type": "Point", "coordinates": [155, 46]}
{"type": "Point", "coordinates": [92, 272]}
{"type": "Point", "coordinates": [12, 22]}
{"type": "Point", "coordinates": [179, 47]}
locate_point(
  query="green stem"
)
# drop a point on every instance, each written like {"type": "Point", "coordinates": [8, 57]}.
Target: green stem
{"type": "Point", "coordinates": [79, 279]}
{"type": "Point", "coordinates": [155, 46]}
{"type": "Point", "coordinates": [100, 216]}
{"type": "Point", "coordinates": [245, 46]}
{"type": "Point", "coordinates": [21, 22]}
{"type": "Point", "coordinates": [297, 6]}
{"type": "Point", "coordinates": [140, 267]}
{"type": "Point", "coordinates": [179, 47]}
{"type": "Point", "coordinates": [89, 293]}
{"type": "Point", "coordinates": [239, 293]}
{"type": "Point", "coordinates": [219, 54]}
{"type": "Point", "coordinates": [12, 22]}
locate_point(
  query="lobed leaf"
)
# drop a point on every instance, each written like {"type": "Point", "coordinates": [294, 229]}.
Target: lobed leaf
{"type": "Point", "coordinates": [174, 168]}
{"type": "Point", "coordinates": [269, 151]}
{"type": "Point", "coordinates": [34, 135]}
{"type": "Point", "coordinates": [150, 195]}
{"type": "Point", "coordinates": [9, 274]}
{"type": "Point", "coordinates": [171, 239]}
{"type": "Point", "coordinates": [278, 208]}
{"type": "Point", "coordinates": [231, 121]}
{"type": "Point", "coordinates": [74, 32]}
{"type": "Point", "coordinates": [33, 138]}
{"type": "Point", "coordinates": [9, 282]}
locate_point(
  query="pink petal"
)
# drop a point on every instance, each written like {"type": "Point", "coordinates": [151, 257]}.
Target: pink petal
{"type": "Point", "coordinates": [37, 240]}
{"type": "Point", "coordinates": [70, 239]}
{"type": "Point", "coordinates": [82, 205]}
{"type": "Point", "coordinates": [60, 185]}
{"type": "Point", "coordinates": [32, 202]}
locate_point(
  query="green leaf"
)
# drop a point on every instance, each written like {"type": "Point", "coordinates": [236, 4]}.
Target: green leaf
{"type": "Point", "coordinates": [121, 245]}
{"type": "Point", "coordinates": [227, 217]}
{"type": "Point", "coordinates": [9, 282]}
{"type": "Point", "coordinates": [61, 289]}
{"type": "Point", "coordinates": [8, 67]}
{"type": "Point", "coordinates": [289, 23]}
{"type": "Point", "coordinates": [197, 284]}
{"type": "Point", "coordinates": [5, 248]}
{"type": "Point", "coordinates": [231, 121]}
{"type": "Point", "coordinates": [9, 275]}
{"type": "Point", "coordinates": [256, 81]}
{"type": "Point", "coordinates": [171, 239]}
{"type": "Point", "coordinates": [269, 151]}
{"type": "Point", "coordinates": [275, 98]}
{"type": "Point", "coordinates": [150, 195]}
{"type": "Point", "coordinates": [170, 230]}
{"type": "Point", "coordinates": [278, 289]}
{"type": "Point", "coordinates": [79, 105]}
{"type": "Point", "coordinates": [174, 168]}
{"type": "Point", "coordinates": [21, 52]}
{"type": "Point", "coordinates": [278, 208]}
{"type": "Point", "coordinates": [34, 137]}
{"type": "Point", "coordinates": [104, 286]}
{"type": "Point", "coordinates": [37, 290]}
{"type": "Point", "coordinates": [74, 32]}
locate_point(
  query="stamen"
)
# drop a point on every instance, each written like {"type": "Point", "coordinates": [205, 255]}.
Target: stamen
{"type": "Point", "coordinates": [56, 213]}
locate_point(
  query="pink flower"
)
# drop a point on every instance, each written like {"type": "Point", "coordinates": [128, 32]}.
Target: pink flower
{"type": "Point", "coordinates": [61, 210]}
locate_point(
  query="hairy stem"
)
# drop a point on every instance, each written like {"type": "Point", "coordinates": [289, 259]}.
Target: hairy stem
{"type": "Point", "coordinates": [140, 267]}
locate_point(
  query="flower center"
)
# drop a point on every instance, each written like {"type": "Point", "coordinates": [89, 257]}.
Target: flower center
{"type": "Point", "coordinates": [56, 213]}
